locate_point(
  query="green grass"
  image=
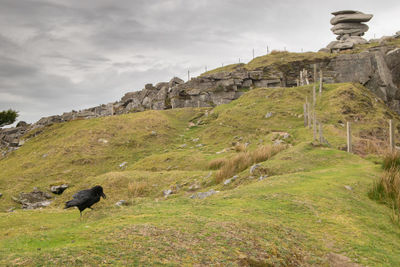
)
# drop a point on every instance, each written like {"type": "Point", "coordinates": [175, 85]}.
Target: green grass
{"type": "Point", "coordinates": [296, 216]}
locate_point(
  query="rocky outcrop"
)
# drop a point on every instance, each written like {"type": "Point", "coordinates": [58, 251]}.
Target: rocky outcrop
{"type": "Point", "coordinates": [377, 68]}
{"type": "Point", "coordinates": [33, 200]}
{"type": "Point", "coordinates": [10, 138]}
{"type": "Point", "coordinates": [349, 26]}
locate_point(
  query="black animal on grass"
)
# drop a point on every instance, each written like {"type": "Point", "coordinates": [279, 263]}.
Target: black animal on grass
{"type": "Point", "coordinates": [86, 198]}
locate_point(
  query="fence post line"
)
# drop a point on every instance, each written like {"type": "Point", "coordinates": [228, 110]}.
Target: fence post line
{"type": "Point", "coordinates": [349, 148]}
{"type": "Point", "coordinates": [391, 136]}
{"type": "Point", "coordinates": [305, 114]}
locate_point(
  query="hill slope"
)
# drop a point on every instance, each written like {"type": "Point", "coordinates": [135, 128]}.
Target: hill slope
{"type": "Point", "coordinates": [312, 209]}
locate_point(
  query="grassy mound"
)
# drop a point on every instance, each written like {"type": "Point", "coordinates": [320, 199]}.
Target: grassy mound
{"type": "Point", "coordinates": [300, 205]}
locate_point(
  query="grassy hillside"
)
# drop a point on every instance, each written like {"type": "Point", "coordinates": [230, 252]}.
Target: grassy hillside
{"type": "Point", "coordinates": [276, 59]}
{"type": "Point", "coordinates": [310, 208]}
{"type": "Point", "coordinates": [281, 59]}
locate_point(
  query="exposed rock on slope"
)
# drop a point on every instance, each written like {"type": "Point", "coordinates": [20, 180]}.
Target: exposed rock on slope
{"type": "Point", "coordinates": [377, 68]}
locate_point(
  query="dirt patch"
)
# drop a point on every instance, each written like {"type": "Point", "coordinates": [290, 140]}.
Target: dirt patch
{"type": "Point", "coordinates": [338, 260]}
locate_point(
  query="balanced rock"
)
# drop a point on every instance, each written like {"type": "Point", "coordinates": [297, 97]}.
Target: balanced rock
{"type": "Point", "coordinates": [349, 26]}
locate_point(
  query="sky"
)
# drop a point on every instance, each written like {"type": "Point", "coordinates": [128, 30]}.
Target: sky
{"type": "Point", "coordinates": [57, 55]}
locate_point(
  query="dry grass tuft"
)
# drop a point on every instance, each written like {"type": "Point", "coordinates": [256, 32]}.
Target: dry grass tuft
{"type": "Point", "coordinates": [239, 147]}
{"type": "Point", "coordinates": [391, 161]}
{"type": "Point", "coordinates": [215, 164]}
{"type": "Point", "coordinates": [138, 189]}
{"type": "Point", "coordinates": [243, 160]}
{"type": "Point", "coordinates": [387, 188]}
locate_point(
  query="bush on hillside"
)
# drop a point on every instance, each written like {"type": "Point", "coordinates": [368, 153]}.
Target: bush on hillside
{"type": "Point", "coordinates": [8, 117]}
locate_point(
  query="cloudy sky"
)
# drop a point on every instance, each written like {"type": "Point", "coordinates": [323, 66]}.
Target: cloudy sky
{"type": "Point", "coordinates": [58, 55]}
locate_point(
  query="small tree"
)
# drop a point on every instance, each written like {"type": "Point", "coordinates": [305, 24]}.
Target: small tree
{"type": "Point", "coordinates": [8, 117]}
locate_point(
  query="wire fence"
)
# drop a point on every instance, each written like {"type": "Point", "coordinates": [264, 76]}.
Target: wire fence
{"type": "Point", "coordinates": [381, 144]}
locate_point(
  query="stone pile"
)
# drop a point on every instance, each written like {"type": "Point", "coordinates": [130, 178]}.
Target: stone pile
{"type": "Point", "coordinates": [33, 200]}
{"type": "Point", "coordinates": [349, 26]}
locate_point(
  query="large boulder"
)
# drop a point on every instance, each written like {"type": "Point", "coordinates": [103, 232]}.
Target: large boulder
{"type": "Point", "coordinates": [351, 18]}
{"type": "Point", "coordinates": [357, 29]}
{"type": "Point", "coordinates": [174, 81]}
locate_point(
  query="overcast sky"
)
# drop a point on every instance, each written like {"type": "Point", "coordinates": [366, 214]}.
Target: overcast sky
{"type": "Point", "coordinates": [58, 55]}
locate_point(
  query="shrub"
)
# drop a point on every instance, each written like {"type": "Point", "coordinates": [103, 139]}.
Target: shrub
{"type": "Point", "coordinates": [8, 117]}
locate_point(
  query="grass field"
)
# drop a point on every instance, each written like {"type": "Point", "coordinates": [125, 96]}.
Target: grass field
{"type": "Point", "coordinates": [312, 203]}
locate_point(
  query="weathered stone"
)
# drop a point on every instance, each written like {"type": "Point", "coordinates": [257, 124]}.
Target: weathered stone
{"type": "Point", "coordinates": [340, 45]}
{"type": "Point", "coordinates": [342, 12]}
{"type": "Point", "coordinates": [268, 115]}
{"type": "Point", "coordinates": [254, 167]}
{"type": "Point", "coordinates": [174, 81]}
{"type": "Point", "coordinates": [202, 195]}
{"type": "Point", "coordinates": [121, 203]}
{"type": "Point", "coordinates": [350, 28]}
{"type": "Point", "coordinates": [351, 18]}
{"type": "Point", "coordinates": [228, 181]}
{"type": "Point", "coordinates": [348, 187]}
{"type": "Point", "coordinates": [33, 200]}
{"type": "Point", "coordinates": [123, 164]}
{"type": "Point", "coordinates": [167, 192]}
{"type": "Point", "coordinates": [22, 124]}
{"type": "Point", "coordinates": [58, 189]}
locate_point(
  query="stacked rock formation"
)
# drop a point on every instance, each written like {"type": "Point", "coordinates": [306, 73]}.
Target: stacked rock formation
{"type": "Point", "coordinates": [349, 26]}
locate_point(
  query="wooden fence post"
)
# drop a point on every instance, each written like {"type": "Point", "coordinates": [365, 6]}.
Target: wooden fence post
{"type": "Point", "coordinates": [305, 114]}
{"type": "Point", "coordinates": [321, 136]}
{"type": "Point", "coordinates": [301, 78]}
{"type": "Point", "coordinates": [315, 73]}
{"type": "Point", "coordinates": [349, 148]}
{"type": "Point", "coordinates": [306, 76]}
{"type": "Point", "coordinates": [314, 125]}
{"type": "Point", "coordinates": [320, 82]}
{"type": "Point", "coordinates": [391, 136]}
{"type": "Point", "coordinates": [314, 95]}
{"type": "Point", "coordinates": [309, 115]}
